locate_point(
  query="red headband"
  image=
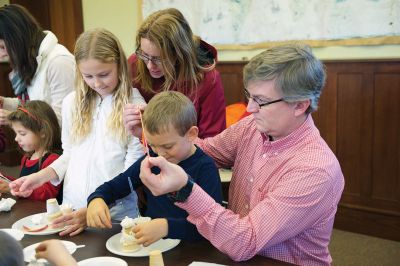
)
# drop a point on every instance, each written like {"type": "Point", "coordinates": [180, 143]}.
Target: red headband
{"type": "Point", "coordinates": [27, 112]}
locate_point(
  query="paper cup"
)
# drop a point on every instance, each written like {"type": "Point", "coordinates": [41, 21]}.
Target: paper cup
{"type": "Point", "coordinates": [156, 258]}
{"type": "Point", "coordinates": [52, 206]}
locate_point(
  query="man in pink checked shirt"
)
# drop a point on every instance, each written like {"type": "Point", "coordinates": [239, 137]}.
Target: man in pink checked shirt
{"type": "Point", "coordinates": [286, 182]}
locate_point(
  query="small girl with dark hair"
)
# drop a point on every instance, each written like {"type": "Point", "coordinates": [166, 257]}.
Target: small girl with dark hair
{"type": "Point", "coordinates": [38, 135]}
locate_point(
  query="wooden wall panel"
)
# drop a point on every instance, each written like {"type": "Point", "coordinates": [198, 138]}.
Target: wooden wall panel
{"type": "Point", "coordinates": [359, 118]}
{"type": "Point", "coordinates": [39, 9]}
{"type": "Point", "coordinates": [349, 124]}
{"type": "Point", "coordinates": [232, 78]}
{"type": "Point", "coordinates": [66, 21]}
{"type": "Point", "coordinates": [63, 18]}
{"type": "Point", "coordinates": [386, 131]}
{"type": "Point", "coordinates": [326, 115]}
{"type": "Point", "coordinates": [5, 85]}
{"type": "Point", "coordinates": [11, 156]}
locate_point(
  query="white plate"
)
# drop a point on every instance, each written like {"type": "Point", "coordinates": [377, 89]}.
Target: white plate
{"type": "Point", "coordinates": [27, 221]}
{"type": "Point", "coordinates": [103, 261]}
{"type": "Point", "coordinates": [17, 234]}
{"type": "Point", "coordinates": [113, 245]}
{"type": "Point", "coordinates": [29, 251]}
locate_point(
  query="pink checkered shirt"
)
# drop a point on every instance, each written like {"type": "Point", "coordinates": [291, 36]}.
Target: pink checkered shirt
{"type": "Point", "coordinates": [283, 195]}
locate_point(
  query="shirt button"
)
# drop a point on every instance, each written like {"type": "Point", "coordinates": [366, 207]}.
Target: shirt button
{"type": "Point", "coordinates": [251, 180]}
{"type": "Point", "coordinates": [275, 153]}
{"type": "Point", "coordinates": [264, 155]}
{"type": "Point", "coordinates": [246, 206]}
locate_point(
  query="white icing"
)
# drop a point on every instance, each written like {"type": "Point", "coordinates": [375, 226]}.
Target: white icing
{"type": "Point", "coordinates": [127, 239]}
{"type": "Point", "coordinates": [37, 219]}
{"type": "Point", "coordinates": [127, 222]}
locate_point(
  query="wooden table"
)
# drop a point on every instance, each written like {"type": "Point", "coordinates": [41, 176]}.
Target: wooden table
{"type": "Point", "coordinates": [95, 239]}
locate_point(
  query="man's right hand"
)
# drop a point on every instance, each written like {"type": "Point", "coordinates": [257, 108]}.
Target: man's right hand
{"type": "Point", "coordinates": [131, 117]}
{"type": "Point", "coordinates": [171, 177]}
{"type": "Point", "coordinates": [98, 214]}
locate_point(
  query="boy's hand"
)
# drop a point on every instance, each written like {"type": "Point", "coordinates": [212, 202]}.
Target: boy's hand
{"type": "Point", "coordinates": [98, 214]}
{"type": "Point", "coordinates": [150, 232]}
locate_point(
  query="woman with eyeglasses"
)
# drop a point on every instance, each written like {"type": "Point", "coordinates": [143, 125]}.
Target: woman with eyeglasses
{"type": "Point", "coordinates": [170, 57]}
{"type": "Point", "coordinates": [42, 69]}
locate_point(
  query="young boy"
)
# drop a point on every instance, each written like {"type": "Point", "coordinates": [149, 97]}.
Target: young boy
{"type": "Point", "coordinates": [169, 125]}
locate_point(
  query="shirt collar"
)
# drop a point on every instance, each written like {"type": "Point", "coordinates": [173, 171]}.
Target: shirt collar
{"type": "Point", "coordinates": [293, 138]}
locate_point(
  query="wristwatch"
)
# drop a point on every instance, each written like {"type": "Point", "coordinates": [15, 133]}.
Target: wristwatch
{"type": "Point", "coordinates": [184, 193]}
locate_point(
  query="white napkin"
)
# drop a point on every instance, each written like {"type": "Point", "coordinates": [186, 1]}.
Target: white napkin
{"type": "Point", "coordinates": [6, 204]}
{"type": "Point", "coordinates": [199, 263]}
{"type": "Point", "coordinates": [35, 262]}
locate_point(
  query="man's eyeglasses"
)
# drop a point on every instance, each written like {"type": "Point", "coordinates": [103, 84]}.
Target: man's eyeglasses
{"type": "Point", "coordinates": [155, 60]}
{"type": "Point", "coordinates": [258, 101]}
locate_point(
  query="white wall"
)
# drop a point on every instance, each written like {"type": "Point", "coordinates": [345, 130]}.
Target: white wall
{"type": "Point", "coordinates": [118, 16]}
{"type": "Point", "coordinates": [121, 17]}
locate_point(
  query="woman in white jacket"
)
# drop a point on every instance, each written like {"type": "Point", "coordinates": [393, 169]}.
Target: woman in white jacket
{"type": "Point", "coordinates": [96, 146]}
{"type": "Point", "coordinates": [42, 69]}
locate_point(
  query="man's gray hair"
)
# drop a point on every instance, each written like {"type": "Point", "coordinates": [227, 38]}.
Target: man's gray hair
{"type": "Point", "coordinates": [298, 74]}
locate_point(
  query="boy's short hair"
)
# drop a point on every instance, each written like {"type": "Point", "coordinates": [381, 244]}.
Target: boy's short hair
{"type": "Point", "coordinates": [169, 108]}
{"type": "Point", "coordinates": [10, 251]}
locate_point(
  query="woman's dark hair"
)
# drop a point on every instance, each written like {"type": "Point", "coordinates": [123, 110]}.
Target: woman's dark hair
{"type": "Point", "coordinates": [22, 36]}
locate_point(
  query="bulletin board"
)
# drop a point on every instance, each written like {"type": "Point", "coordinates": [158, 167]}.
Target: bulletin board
{"type": "Point", "coordinates": [252, 24]}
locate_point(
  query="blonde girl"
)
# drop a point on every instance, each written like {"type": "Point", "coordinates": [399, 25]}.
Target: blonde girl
{"type": "Point", "coordinates": [95, 144]}
{"type": "Point", "coordinates": [38, 135]}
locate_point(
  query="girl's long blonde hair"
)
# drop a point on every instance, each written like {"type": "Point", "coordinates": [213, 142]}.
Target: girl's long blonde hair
{"type": "Point", "coordinates": [102, 45]}
{"type": "Point", "coordinates": [183, 62]}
